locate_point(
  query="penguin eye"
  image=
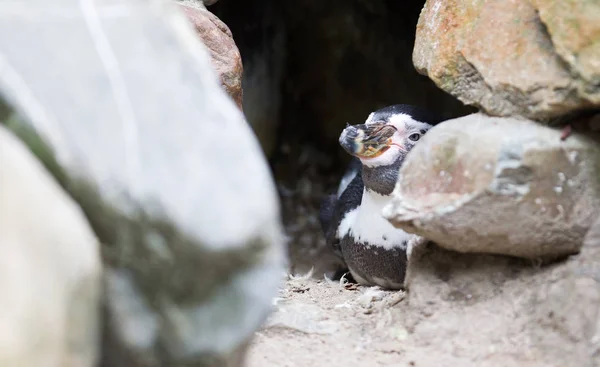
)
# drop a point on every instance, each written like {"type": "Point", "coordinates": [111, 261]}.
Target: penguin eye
{"type": "Point", "coordinates": [414, 137]}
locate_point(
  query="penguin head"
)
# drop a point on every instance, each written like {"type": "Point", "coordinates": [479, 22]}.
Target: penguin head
{"type": "Point", "coordinates": [384, 140]}
{"type": "Point", "coordinates": [387, 135]}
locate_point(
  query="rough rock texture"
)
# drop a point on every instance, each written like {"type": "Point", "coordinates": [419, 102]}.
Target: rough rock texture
{"type": "Point", "coordinates": [225, 56]}
{"type": "Point", "coordinates": [164, 166]}
{"type": "Point", "coordinates": [499, 185]}
{"type": "Point", "coordinates": [50, 270]}
{"type": "Point", "coordinates": [574, 27]}
{"type": "Point", "coordinates": [540, 61]}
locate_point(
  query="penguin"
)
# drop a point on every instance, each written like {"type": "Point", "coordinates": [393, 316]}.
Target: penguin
{"type": "Point", "coordinates": [375, 252]}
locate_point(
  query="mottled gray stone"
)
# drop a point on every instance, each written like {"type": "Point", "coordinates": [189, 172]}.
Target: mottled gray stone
{"type": "Point", "coordinates": [119, 100]}
{"type": "Point", "coordinates": [50, 269]}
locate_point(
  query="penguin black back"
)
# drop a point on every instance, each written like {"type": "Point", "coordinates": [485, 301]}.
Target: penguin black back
{"type": "Point", "coordinates": [415, 112]}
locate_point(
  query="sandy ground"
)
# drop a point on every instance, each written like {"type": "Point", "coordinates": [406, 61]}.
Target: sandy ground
{"type": "Point", "coordinates": [326, 323]}
{"type": "Point", "coordinates": [463, 310]}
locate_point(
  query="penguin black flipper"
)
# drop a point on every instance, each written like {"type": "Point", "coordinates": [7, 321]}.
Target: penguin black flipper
{"type": "Point", "coordinates": [354, 168]}
{"type": "Point", "coordinates": [349, 199]}
{"type": "Point", "coordinates": [326, 211]}
{"type": "Point", "coordinates": [327, 205]}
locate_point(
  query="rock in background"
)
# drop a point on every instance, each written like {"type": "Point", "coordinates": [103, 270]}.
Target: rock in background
{"type": "Point", "coordinates": [537, 59]}
{"type": "Point", "coordinates": [50, 269]}
{"type": "Point", "coordinates": [135, 127]}
{"type": "Point", "coordinates": [224, 54]}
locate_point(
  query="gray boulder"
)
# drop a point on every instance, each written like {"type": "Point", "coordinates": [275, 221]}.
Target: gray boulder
{"type": "Point", "coordinates": [50, 269]}
{"type": "Point", "coordinates": [134, 124]}
{"type": "Point", "coordinates": [501, 186]}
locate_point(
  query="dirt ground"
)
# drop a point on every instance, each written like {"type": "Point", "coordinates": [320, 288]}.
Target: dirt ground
{"type": "Point", "coordinates": [322, 323]}
{"type": "Point", "coordinates": [462, 310]}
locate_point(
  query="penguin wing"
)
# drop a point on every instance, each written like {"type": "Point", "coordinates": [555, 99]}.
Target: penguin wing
{"type": "Point", "coordinates": [351, 172]}
{"type": "Point", "coordinates": [327, 205]}
{"type": "Point", "coordinates": [334, 210]}
{"type": "Point", "coordinates": [326, 211]}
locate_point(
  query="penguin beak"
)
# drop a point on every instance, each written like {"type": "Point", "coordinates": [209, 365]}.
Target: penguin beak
{"type": "Point", "coordinates": [367, 141]}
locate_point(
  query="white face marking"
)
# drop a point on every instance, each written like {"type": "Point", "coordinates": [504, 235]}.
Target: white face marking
{"type": "Point", "coordinates": [405, 126]}
{"type": "Point", "coordinates": [387, 158]}
{"type": "Point", "coordinates": [367, 224]}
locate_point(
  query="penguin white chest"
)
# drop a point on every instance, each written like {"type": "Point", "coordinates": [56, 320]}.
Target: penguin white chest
{"type": "Point", "coordinates": [367, 226]}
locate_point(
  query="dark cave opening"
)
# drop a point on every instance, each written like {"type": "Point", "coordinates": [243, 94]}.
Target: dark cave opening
{"type": "Point", "coordinates": [311, 67]}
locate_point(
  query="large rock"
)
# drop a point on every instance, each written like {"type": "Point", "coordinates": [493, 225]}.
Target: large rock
{"type": "Point", "coordinates": [224, 54]}
{"type": "Point", "coordinates": [536, 59]}
{"type": "Point", "coordinates": [136, 127]}
{"type": "Point", "coordinates": [499, 185]}
{"type": "Point", "coordinates": [50, 270]}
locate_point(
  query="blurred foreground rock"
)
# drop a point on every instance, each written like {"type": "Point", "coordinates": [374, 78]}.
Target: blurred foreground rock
{"type": "Point", "coordinates": [50, 269]}
{"type": "Point", "coordinates": [224, 54]}
{"type": "Point", "coordinates": [539, 59]}
{"type": "Point", "coordinates": [173, 183]}
{"type": "Point", "coordinates": [501, 186]}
